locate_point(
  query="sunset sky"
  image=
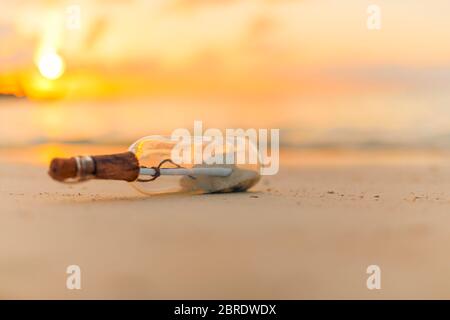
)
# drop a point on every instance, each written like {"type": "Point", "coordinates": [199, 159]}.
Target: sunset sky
{"type": "Point", "coordinates": [248, 47]}
{"type": "Point", "coordinates": [311, 68]}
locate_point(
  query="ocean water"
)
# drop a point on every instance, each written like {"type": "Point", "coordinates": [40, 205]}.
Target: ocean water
{"type": "Point", "coordinates": [419, 119]}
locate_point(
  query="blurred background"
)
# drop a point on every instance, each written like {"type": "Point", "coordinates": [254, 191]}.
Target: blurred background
{"type": "Point", "coordinates": [110, 71]}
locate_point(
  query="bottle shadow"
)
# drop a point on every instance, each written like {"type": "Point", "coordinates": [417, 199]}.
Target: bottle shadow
{"type": "Point", "coordinates": [175, 195]}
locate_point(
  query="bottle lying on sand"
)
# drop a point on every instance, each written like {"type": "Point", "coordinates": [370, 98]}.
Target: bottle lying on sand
{"type": "Point", "coordinates": [156, 164]}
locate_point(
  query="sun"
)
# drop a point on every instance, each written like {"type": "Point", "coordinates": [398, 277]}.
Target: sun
{"type": "Point", "coordinates": [51, 66]}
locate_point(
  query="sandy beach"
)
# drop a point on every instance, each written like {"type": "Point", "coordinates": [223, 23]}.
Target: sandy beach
{"type": "Point", "coordinates": [309, 232]}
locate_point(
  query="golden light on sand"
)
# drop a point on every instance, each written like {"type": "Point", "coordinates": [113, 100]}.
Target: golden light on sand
{"type": "Point", "coordinates": [51, 66]}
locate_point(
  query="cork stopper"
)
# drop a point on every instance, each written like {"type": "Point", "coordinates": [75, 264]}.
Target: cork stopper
{"type": "Point", "coordinates": [62, 169]}
{"type": "Point", "coordinates": [121, 166]}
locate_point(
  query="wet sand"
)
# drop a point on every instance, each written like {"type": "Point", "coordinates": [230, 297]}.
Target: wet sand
{"type": "Point", "coordinates": [309, 232]}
